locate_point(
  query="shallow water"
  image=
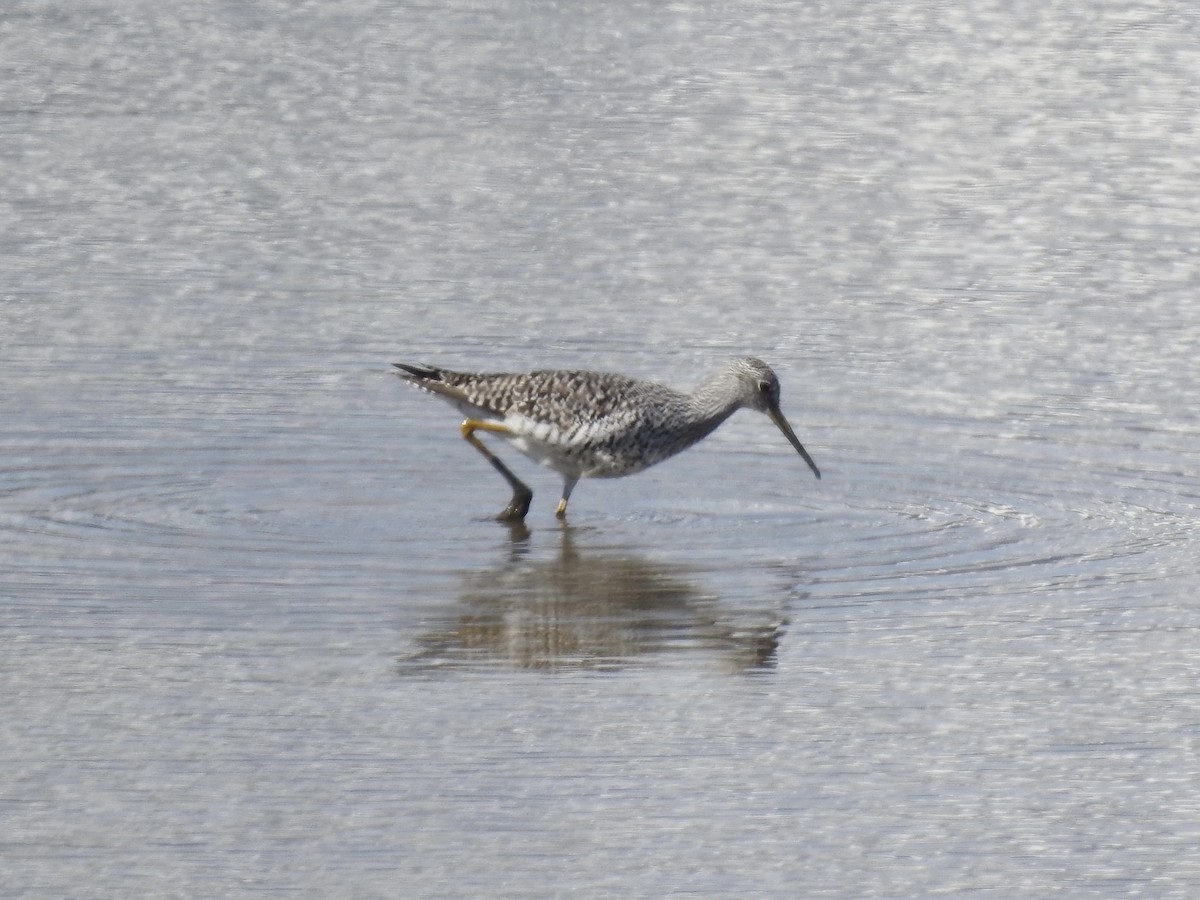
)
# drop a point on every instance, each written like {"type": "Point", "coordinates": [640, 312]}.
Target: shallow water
{"type": "Point", "coordinates": [261, 633]}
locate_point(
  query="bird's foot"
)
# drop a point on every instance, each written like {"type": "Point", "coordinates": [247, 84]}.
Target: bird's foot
{"type": "Point", "coordinates": [518, 507]}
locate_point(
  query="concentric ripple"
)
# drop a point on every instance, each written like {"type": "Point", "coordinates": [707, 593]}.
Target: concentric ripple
{"type": "Point", "coordinates": [170, 516]}
{"type": "Point", "coordinates": [983, 514]}
{"type": "Point", "coordinates": [946, 511]}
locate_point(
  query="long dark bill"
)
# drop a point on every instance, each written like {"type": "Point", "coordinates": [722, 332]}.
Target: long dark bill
{"type": "Point", "coordinates": [777, 417]}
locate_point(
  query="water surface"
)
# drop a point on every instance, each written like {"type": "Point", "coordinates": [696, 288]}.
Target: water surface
{"type": "Point", "coordinates": [261, 633]}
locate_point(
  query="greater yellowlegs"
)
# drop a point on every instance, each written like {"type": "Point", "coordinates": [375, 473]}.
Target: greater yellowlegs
{"type": "Point", "coordinates": [597, 425]}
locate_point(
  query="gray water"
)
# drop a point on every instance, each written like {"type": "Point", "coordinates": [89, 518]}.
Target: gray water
{"type": "Point", "coordinates": [260, 633]}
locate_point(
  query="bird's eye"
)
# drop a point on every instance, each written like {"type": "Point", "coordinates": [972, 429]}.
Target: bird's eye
{"type": "Point", "coordinates": [765, 387]}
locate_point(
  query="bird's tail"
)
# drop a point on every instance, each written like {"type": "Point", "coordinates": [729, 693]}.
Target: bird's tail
{"type": "Point", "coordinates": [419, 373]}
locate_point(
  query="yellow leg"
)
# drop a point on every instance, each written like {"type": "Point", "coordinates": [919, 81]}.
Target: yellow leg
{"type": "Point", "coordinates": [518, 507]}
{"type": "Point", "coordinates": [568, 486]}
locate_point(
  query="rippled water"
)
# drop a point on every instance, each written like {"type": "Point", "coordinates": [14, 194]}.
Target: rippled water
{"type": "Point", "coordinates": [260, 631]}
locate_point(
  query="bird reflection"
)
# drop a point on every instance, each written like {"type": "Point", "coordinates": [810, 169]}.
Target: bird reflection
{"type": "Point", "coordinates": [601, 608]}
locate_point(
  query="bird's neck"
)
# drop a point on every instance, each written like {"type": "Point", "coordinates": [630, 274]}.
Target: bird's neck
{"type": "Point", "coordinates": [688, 418]}
{"type": "Point", "coordinates": [716, 400]}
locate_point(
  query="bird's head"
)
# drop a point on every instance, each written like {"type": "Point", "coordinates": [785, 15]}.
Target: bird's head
{"type": "Point", "coordinates": [760, 391]}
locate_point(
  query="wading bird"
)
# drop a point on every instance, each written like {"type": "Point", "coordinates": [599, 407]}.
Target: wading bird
{"type": "Point", "coordinates": [594, 424]}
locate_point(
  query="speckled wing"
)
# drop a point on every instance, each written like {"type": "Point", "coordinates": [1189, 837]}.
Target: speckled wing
{"type": "Point", "coordinates": [562, 399]}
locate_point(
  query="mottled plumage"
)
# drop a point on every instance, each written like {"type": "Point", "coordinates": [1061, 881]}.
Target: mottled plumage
{"type": "Point", "coordinates": [595, 424]}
